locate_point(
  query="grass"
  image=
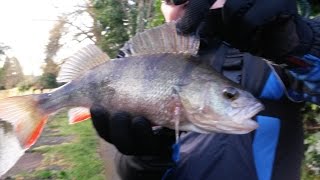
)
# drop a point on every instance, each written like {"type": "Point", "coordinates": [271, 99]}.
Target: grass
{"type": "Point", "coordinates": [77, 159]}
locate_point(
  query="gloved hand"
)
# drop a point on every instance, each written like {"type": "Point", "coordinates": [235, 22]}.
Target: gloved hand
{"type": "Point", "coordinates": [132, 135]}
{"type": "Point", "coordinates": [196, 11]}
{"type": "Point", "coordinates": [268, 28]}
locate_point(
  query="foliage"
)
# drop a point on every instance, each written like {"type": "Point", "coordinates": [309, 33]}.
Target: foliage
{"type": "Point", "coordinates": [315, 7]}
{"type": "Point", "coordinates": [2, 79]}
{"type": "Point", "coordinates": [312, 140]}
{"type": "Point", "coordinates": [11, 73]}
{"type": "Point", "coordinates": [50, 70]}
{"type": "Point", "coordinates": [313, 153]}
{"type": "Point", "coordinates": [3, 48]}
{"type": "Point", "coordinates": [157, 18]}
{"type": "Point", "coordinates": [55, 35]}
{"type": "Point", "coordinates": [48, 81]}
{"type": "Point", "coordinates": [112, 16]}
{"type": "Point", "coordinates": [24, 87]}
{"type": "Point", "coordinates": [121, 19]}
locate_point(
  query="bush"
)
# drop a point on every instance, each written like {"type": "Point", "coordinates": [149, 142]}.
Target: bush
{"type": "Point", "coordinates": [312, 140]}
{"type": "Point", "coordinates": [48, 81]}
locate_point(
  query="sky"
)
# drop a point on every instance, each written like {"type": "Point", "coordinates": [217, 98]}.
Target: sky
{"type": "Point", "coordinates": [25, 26]}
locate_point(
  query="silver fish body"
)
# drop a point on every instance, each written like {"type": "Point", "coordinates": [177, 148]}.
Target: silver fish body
{"type": "Point", "coordinates": [153, 85]}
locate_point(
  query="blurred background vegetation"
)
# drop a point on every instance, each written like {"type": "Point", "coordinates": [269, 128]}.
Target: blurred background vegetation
{"type": "Point", "coordinates": [113, 22]}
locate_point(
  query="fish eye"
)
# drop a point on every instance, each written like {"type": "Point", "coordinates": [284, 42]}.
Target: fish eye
{"type": "Point", "coordinates": [230, 93]}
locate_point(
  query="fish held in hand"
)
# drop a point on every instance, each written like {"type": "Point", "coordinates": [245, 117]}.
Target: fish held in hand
{"type": "Point", "coordinates": [161, 79]}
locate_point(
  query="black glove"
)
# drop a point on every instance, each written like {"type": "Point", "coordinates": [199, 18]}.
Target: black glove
{"type": "Point", "coordinates": [196, 11]}
{"type": "Point", "coordinates": [132, 136]}
{"type": "Point", "coordinates": [268, 28]}
{"type": "Point", "coordinates": [263, 27]}
{"type": "Point", "coordinates": [245, 15]}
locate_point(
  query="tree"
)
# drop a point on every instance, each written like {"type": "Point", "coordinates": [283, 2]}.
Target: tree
{"type": "Point", "coordinates": [112, 16]}
{"type": "Point", "coordinates": [50, 70]}
{"type": "Point", "coordinates": [113, 22]}
{"type": "Point", "coordinates": [121, 19]}
{"type": "Point", "coordinates": [11, 73]}
{"type": "Point", "coordinates": [3, 48]}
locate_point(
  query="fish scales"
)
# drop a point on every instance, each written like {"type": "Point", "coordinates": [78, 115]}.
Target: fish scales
{"type": "Point", "coordinates": [145, 87]}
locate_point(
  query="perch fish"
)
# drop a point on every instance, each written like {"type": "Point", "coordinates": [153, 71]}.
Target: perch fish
{"type": "Point", "coordinates": [160, 78]}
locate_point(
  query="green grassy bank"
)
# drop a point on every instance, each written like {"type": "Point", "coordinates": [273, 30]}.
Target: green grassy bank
{"type": "Point", "coordinates": [77, 158]}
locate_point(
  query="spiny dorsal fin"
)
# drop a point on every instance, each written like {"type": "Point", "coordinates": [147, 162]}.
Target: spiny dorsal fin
{"type": "Point", "coordinates": [161, 39]}
{"type": "Point", "coordinates": [85, 59]}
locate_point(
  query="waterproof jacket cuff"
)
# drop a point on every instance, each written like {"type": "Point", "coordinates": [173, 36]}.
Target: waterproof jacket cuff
{"type": "Point", "coordinates": [314, 25]}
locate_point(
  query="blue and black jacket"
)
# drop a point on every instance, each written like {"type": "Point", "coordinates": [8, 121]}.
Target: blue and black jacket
{"type": "Point", "coordinates": [274, 151]}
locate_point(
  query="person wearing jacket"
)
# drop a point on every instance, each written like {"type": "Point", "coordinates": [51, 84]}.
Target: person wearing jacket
{"type": "Point", "coordinates": [236, 37]}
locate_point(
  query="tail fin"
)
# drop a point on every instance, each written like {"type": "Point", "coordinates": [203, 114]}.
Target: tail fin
{"type": "Point", "coordinates": [24, 123]}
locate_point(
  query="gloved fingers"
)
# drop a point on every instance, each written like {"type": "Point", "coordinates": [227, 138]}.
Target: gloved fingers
{"type": "Point", "coordinates": [177, 2]}
{"type": "Point", "coordinates": [165, 136]}
{"type": "Point", "coordinates": [266, 11]}
{"type": "Point", "coordinates": [120, 132]}
{"type": "Point", "coordinates": [281, 30]}
{"type": "Point", "coordinates": [149, 141]}
{"type": "Point", "coordinates": [100, 120]}
{"type": "Point", "coordinates": [141, 127]}
{"type": "Point", "coordinates": [143, 137]}
{"type": "Point", "coordinates": [235, 9]}
{"type": "Point", "coordinates": [195, 12]}
{"type": "Point", "coordinates": [255, 13]}
{"type": "Point", "coordinates": [210, 26]}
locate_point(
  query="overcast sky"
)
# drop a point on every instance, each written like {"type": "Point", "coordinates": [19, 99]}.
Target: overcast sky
{"type": "Point", "coordinates": [25, 25]}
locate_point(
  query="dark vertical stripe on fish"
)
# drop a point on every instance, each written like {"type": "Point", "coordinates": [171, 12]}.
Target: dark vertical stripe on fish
{"type": "Point", "coordinates": [149, 71]}
{"type": "Point", "coordinates": [186, 73]}
{"type": "Point", "coordinates": [118, 68]}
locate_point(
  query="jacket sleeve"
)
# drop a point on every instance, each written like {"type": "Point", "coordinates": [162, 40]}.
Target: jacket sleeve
{"type": "Point", "coordinates": [302, 80]}
{"type": "Point", "coordinates": [303, 83]}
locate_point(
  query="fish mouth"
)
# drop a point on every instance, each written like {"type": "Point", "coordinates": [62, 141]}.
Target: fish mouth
{"type": "Point", "coordinates": [248, 113]}
{"type": "Point", "coordinates": [241, 122]}
{"type": "Point", "coordinates": [230, 127]}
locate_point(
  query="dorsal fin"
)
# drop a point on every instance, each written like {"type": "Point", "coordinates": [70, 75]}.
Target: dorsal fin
{"type": "Point", "coordinates": [85, 59]}
{"type": "Point", "coordinates": [161, 39]}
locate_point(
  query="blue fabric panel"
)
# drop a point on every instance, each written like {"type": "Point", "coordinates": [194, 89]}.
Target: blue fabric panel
{"type": "Point", "coordinates": [311, 74]}
{"type": "Point", "coordinates": [267, 135]}
{"type": "Point", "coordinates": [272, 89]}
{"type": "Point", "coordinates": [175, 157]}
{"type": "Point", "coordinates": [265, 145]}
{"type": "Point", "coordinates": [176, 152]}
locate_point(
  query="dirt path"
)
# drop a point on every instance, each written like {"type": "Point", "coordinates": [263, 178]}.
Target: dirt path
{"type": "Point", "coordinates": [32, 160]}
{"type": "Point", "coordinates": [107, 153]}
